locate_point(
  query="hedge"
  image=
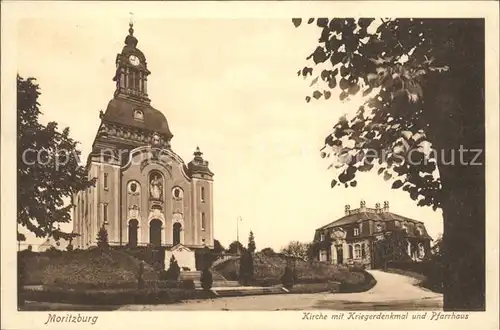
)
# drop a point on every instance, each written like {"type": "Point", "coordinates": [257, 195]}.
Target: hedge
{"type": "Point", "coordinates": [116, 296]}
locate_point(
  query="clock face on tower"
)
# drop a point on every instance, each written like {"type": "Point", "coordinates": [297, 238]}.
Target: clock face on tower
{"type": "Point", "coordinates": [134, 60]}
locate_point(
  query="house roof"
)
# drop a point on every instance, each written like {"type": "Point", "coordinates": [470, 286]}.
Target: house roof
{"type": "Point", "coordinates": [369, 214]}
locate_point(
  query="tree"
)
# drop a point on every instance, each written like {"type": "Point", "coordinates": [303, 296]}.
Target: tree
{"type": "Point", "coordinates": [393, 247]}
{"type": "Point", "coordinates": [251, 243]}
{"type": "Point", "coordinates": [174, 270]}
{"type": "Point", "coordinates": [47, 168]}
{"type": "Point", "coordinates": [235, 247]}
{"type": "Point", "coordinates": [424, 83]}
{"type": "Point", "coordinates": [289, 277]}
{"type": "Point", "coordinates": [102, 237]}
{"type": "Point", "coordinates": [297, 249]}
{"type": "Point", "coordinates": [206, 279]}
{"type": "Point", "coordinates": [218, 248]}
{"type": "Point", "coordinates": [246, 267]}
{"type": "Point", "coordinates": [267, 251]}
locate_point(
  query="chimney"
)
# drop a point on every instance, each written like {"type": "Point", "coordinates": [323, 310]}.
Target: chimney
{"type": "Point", "coordinates": [362, 205]}
{"type": "Point", "coordinates": [347, 209]}
{"type": "Point", "coordinates": [386, 206]}
{"type": "Point", "coordinates": [377, 207]}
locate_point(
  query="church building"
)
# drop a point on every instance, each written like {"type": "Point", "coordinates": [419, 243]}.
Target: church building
{"type": "Point", "coordinates": [144, 193]}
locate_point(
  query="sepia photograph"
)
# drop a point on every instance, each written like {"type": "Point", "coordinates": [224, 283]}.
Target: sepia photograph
{"type": "Point", "coordinates": [332, 165]}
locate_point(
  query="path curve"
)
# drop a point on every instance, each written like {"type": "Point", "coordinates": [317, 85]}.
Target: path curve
{"type": "Point", "coordinates": [392, 292]}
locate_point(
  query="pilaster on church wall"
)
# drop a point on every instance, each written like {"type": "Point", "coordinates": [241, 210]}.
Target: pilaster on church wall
{"type": "Point", "coordinates": [210, 202]}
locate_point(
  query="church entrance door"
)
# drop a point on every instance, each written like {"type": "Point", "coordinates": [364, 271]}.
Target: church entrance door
{"type": "Point", "coordinates": [177, 233]}
{"type": "Point", "coordinates": [155, 232]}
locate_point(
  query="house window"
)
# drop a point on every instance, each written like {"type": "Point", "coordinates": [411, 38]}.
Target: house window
{"type": "Point", "coordinates": [363, 251]}
{"type": "Point", "coordinates": [421, 250]}
{"type": "Point", "coordinates": [322, 237]}
{"type": "Point", "coordinates": [405, 227]}
{"type": "Point", "coordinates": [357, 251]}
{"type": "Point", "coordinates": [356, 231]}
{"type": "Point", "coordinates": [202, 193]}
{"type": "Point", "coordinates": [106, 181]}
{"type": "Point", "coordinates": [379, 227]}
{"type": "Point", "coordinates": [350, 251]}
{"type": "Point", "coordinates": [420, 231]}
{"type": "Point", "coordinates": [203, 221]}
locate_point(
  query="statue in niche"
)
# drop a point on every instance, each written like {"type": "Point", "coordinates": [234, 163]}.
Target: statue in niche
{"type": "Point", "coordinates": [156, 186]}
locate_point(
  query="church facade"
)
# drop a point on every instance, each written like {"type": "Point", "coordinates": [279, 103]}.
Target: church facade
{"type": "Point", "coordinates": [144, 192]}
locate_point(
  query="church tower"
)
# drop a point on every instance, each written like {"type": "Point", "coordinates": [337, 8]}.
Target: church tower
{"type": "Point", "coordinates": [144, 192]}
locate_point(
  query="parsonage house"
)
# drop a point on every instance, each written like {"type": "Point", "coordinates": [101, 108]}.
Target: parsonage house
{"type": "Point", "coordinates": [353, 238]}
{"type": "Point", "coordinates": [144, 194]}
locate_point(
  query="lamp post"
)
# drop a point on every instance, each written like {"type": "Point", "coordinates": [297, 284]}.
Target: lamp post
{"type": "Point", "coordinates": [238, 234]}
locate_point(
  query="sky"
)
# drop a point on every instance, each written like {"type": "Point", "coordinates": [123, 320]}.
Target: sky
{"type": "Point", "coordinates": [229, 86]}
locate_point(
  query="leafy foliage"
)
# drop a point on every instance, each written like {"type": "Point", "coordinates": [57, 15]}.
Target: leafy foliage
{"type": "Point", "coordinates": [289, 277]}
{"type": "Point", "coordinates": [251, 243]}
{"type": "Point", "coordinates": [393, 247]}
{"type": "Point", "coordinates": [267, 251]}
{"type": "Point", "coordinates": [102, 237]}
{"type": "Point", "coordinates": [391, 62]}
{"type": "Point", "coordinates": [206, 279]}
{"type": "Point", "coordinates": [218, 248]}
{"type": "Point", "coordinates": [43, 183]}
{"type": "Point", "coordinates": [298, 249]}
{"type": "Point", "coordinates": [235, 247]}
{"type": "Point", "coordinates": [174, 270]}
{"type": "Point", "coordinates": [246, 268]}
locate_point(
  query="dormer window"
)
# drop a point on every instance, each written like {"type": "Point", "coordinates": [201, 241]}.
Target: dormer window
{"type": "Point", "coordinates": [322, 237]}
{"type": "Point", "coordinates": [138, 115]}
{"type": "Point", "coordinates": [420, 231]}
{"type": "Point", "coordinates": [356, 232]}
{"type": "Point", "coordinates": [379, 227]}
{"type": "Point", "coordinates": [405, 227]}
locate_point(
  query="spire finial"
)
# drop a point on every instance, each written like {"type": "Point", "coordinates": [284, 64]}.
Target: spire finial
{"type": "Point", "coordinates": [131, 24]}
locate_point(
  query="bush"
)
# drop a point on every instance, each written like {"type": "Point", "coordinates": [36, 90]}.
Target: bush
{"type": "Point", "coordinates": [206, 279]}
{"type": "Point", "coordinates": [268, 251]}
{"type": "Point", "coordinates": [102, 238]}
{"type": "Point", "coordinates": [116, 296]}
{"type": "Point", "coordinates": [246, 268]}
{"type": "Point", "coordinates": [289, 277]}
{"type": "Point", "coordinates": [173, 271]}
{"type": "Point", "coordinates": [366, 284]}
{"type": "Point", "coordinates": [187, 285]}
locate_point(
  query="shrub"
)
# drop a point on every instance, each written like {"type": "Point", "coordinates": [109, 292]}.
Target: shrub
{"type": "Point", "coordinates": [102, 238]}
{"type": "Point", "coordinates": [367, 282]}
{"type": "Point", "coordinates": [268, 251]}
{"type": "Point", "coordinates": [188, 285]}
{"type": "Point", "coordinates": [206, 279]}
{"type": "Point", "coordinates": [174, 270]}
{"type": "Point", "coordinates": [246, 268]}
{"type": "Point", "coordinates": [289, 277]}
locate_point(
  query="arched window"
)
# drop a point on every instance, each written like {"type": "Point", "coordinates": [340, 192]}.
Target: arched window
{"type": "Point", "coordinates": [379, 227]}
{"type": "Point", "coordinates": [363, 251]}
{"type": "Point", "coordinates": [177, 233]}
{"type": "Point", "coordinates": [357, 251]}
{"type": "Point", "coordinates": [155, 232]}
{"type": "Point", "coordinates": [132, 232]}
